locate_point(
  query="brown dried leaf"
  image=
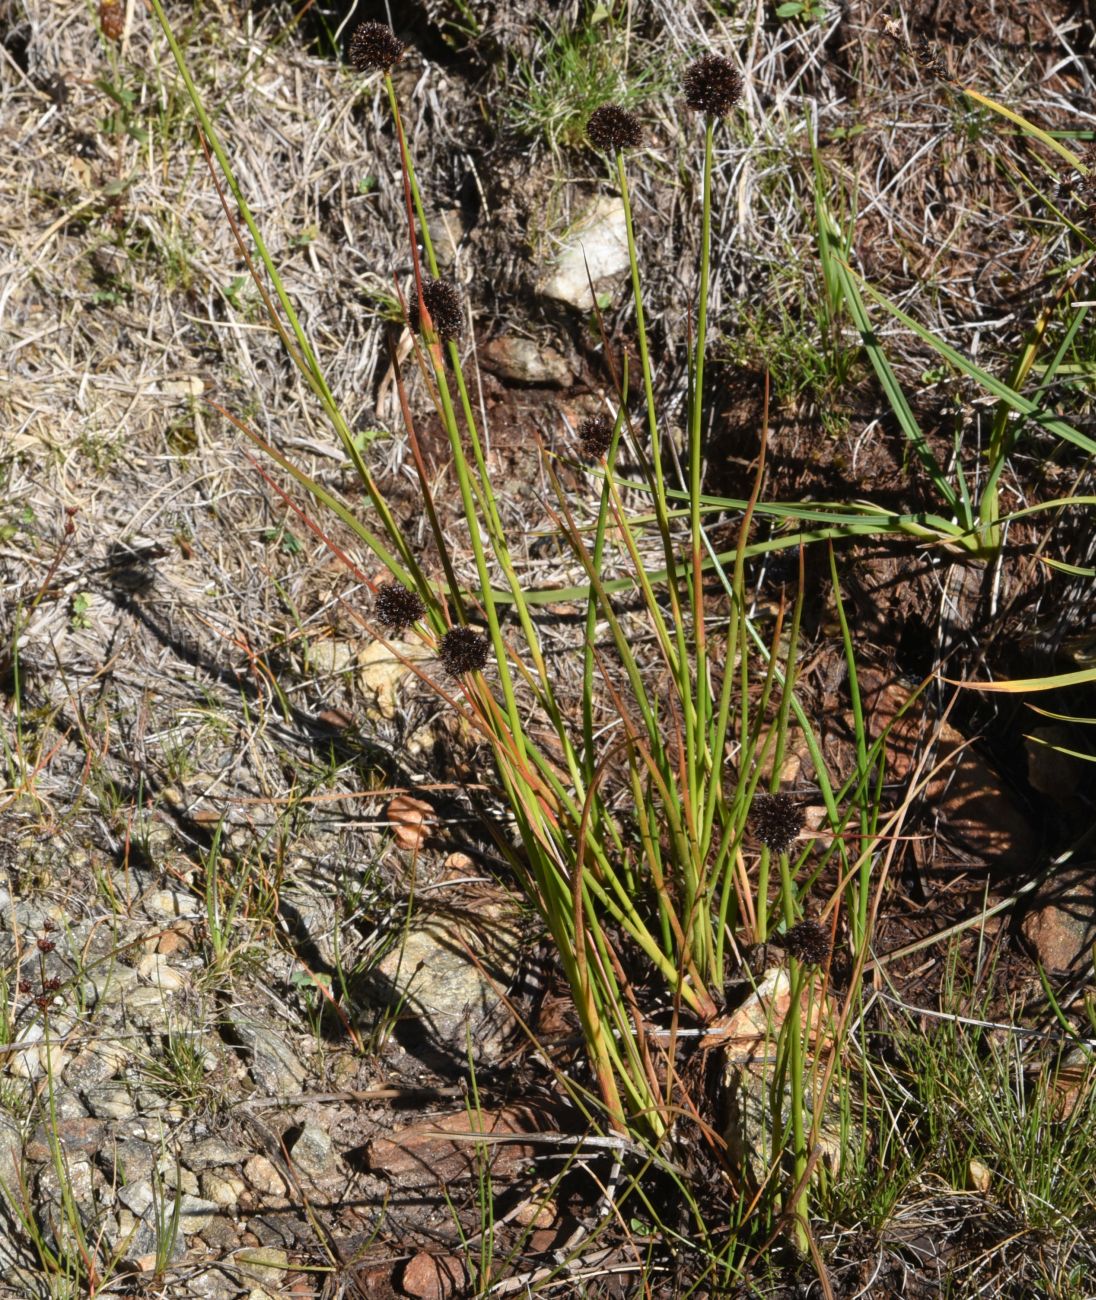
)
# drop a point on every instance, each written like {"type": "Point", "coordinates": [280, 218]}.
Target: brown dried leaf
{"type": "Point", "coordinates": [410, 819]}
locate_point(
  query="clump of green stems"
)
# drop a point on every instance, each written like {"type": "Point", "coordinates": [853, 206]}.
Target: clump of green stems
{"type": "Point", "coordinates": [674, 883]}
{"type": "Point", "coordinates": [973, 523]}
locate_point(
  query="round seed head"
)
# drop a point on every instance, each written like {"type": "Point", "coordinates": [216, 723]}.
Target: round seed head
{"type": "Point", "coordinates": [808, 941]}
{"type": "Point", "coordinates": [442, 299]}
{"type": "Point", "coordinates": [112, 19]}
{"type": "Point", "coordinates": [397, 607]}
{"type": "Point", "coordinates": [595, 433]}
{"type": "Point", "coordinates": [712, 85]}
{"type": "Point", "coordinates": [374, 45]}
{"type": "Point", "coordinates": [776, 820]}
{"type": "Point", "coordinates": [463, 651]}
{"type": "Point", "coordinates": [611, 128]}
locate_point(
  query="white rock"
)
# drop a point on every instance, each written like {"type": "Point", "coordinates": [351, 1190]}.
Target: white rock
{"type": "Point", "coordinates": [598, 241]}
{"type": "Point", "coordinates": [169, 902]}
{"type": "Point", "coordinates": [155, 967]}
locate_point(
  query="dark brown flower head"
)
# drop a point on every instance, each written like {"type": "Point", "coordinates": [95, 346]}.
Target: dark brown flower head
{"type": "Point", "coordinates": [442, 298]}
{"type": "Point", "coordinates": [24, 986]}
{"type": "Point", "coordinates": [43, 1002]}
{"type": "Point", "coordinates": [611, 128]}
{"type": "Point", "coordinates": [46, 945]}
{"type": "Point", "coordinates": [463, 651]}
{"type": "Point", "coordinates": [374, 45]}
{"type": "Point", "coordinates": [595, 433]}
{"type": "Point", "coordinates": [397, 607]}
{"type": "Point", "coordinates": [776, 820]}
{"type": "Point", "coordinates": [808, 941]}
{"type": "Point", "coordinates": [928, 57]}
{"type": "Point", "coordinates": [112, 19]}
{"type": "Point", "coordinates": [52, 984]}
{"type": "Point", "coordinates": [712, 85]}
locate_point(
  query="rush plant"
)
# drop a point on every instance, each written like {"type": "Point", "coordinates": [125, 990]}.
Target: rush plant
{"type": "Point", "coordinates": [652, 907]}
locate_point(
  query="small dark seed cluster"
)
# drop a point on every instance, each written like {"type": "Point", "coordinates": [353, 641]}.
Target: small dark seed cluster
{"type": "Point", "coordinates": [808, 941]}
{"type": "Point", "coordinates": [611, 128]}
{"type": "Point", "coordinates": [927, 57]}
{"type": "Point", "coordinates": [595, 433]}
{"type": "Point", "coordinates": [712, 85]}
{"type": "Point", "coordinates": [463, 651]}
{"type": "Point", "coordinates": [112, 19]}
{"type": "Point", "coordinates": [776, 820]}
{"type": "Point", "coordinates": [374, 45]}
{"type": "Point", "coordinates": [442, 299]}
{"type": "Point", "coordinates": [397, 607]}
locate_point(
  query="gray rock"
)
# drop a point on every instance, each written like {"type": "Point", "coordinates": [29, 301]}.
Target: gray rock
{"type": "Point", "coordinates": [150, 1007]}
{"type": "Point", "coordinates": [274, 1065]}
{"type": "Point", "coordinates": [73, 1136]}
{"type": "Point", "coordinates": [313, 1152]}
{"type": "Point", "coordinates": [138, 1196]}
{"type": "Point", "coordinates": [196, 1214]}
{"type": "Point", "coordinates": [455, 999]}
{"type": "Point", "coordinates": [109, 984]}
{"type": "Point", "coordinates": [169, 902]}
{"type": "Point", "coordinates": [211, 1152]}
{"type": "Point", "coordinates": [213, 1284]}
{"type": "Point", "coordinates": [266, 1265]}
{"type": "Point", "coordinates": [110, 1102]}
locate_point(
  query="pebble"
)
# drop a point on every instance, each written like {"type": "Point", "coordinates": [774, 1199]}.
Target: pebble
{"type": "Point", "coordinates": [223, 1189]}
{"type": "Point", "coordinates": [263, 1176]}
{"type": "Point", "coordinates": [169, 902]}
{"type": "Point", "coordinates": [110, 1102]}
{"type": "Point", "coordinates": [313, 1152]}
{"type": "Point", "coordinates": [154, 966]}
{"type": "Point", "coordinates": [265, 1264]}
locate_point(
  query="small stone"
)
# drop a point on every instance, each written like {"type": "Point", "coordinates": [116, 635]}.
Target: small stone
{"type": "Point", "coordinates": [432, 1277]}
{"type": "Point", "coordinates": [155, 967]}
{"type": "Point", "coordinates": [263, 1176]}
{"type": "Point", "coordinates": [223, 1189]}
{"type": "Point", "coordinates": [524, 361]}
{"type": "Point", "coordinates": [213, 1283]}
{"type": "Point", "coordinates": [1060, 920]}
{"type": "Point", "coordinates": [326, 658]}
{"type": "Point", "coordinates": [137, 1197]}
{"type": "Point", "coordinates": [381, 674]}
{"type": "Point", "coordinates": [149, 1006]}
{"type": "Point", "coordinates": [222, 1237]}
{"type": "Point", "coordinates": [110, 1103]}
{"type": "Point", "coordinates": [196, 1214]}
{"type": "Point", "coordinates": [313, 1152]}
{"type": "Point", "coordinates": [109, 985]}
{"type": "Point", "coordinates": [72, 1136]}
{"type": "Point", "coordinates": [172, 942]}
{"type": "Point", "coordinates": [266, 1264]}
{"type": "Point", "coordinates": [212, 1151]}
{"type": "Point", "coordinates": [169, 902]}
{"type": "Point", "coordinates": [274, 1066]}
{"type": "Point", "coordinates": [594, 249]}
